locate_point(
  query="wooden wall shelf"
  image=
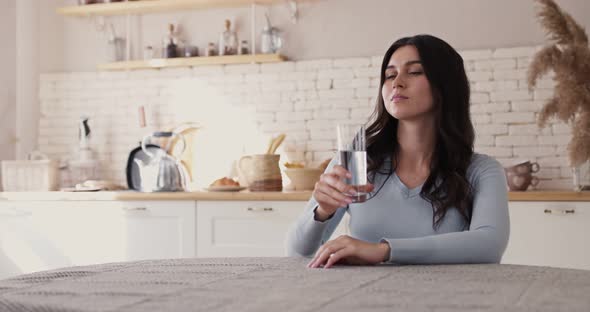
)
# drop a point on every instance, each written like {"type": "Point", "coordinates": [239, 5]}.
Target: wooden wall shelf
{"type": "Point", "coordinates": [152, 6]}
{"type": "Point", "coordinates": [193, 61]}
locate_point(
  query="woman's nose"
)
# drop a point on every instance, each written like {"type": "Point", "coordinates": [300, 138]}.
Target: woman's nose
{"type": "Point", "coordinates": [398, 82]}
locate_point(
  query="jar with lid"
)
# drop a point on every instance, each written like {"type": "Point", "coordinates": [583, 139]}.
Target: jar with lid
{"type": "Point", "coordinates": [243, 48]}
{"type": "Point", "coordinates": [211, 50]}
{"type": "Point", "coordinates": [148, 53]}
{"type": "Point", "coordinates": [190, 51]}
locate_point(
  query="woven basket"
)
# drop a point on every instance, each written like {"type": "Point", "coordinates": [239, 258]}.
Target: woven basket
{"type": "Point", "coordinates": [34, 175]}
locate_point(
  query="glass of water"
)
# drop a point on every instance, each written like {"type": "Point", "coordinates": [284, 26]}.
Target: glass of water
{"type": "Point", "coordinates": [353, 157]}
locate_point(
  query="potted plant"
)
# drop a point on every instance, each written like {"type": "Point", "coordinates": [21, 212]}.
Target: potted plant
{"type": "Point", "coordinates": [568, 56]}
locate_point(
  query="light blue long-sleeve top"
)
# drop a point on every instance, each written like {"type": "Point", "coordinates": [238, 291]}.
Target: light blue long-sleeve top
{"type": "Point", "coordinates": [402, 218]}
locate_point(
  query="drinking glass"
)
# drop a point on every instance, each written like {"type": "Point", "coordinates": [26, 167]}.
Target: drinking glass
{"type": "Point", "coordinates": [353, 157]}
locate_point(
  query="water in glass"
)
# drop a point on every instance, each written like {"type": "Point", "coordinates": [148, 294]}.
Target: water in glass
{"type": "Point", "coordinates": [353, 157]}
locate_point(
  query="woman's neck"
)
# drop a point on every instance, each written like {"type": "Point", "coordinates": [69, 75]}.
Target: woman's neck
{"type": "Point", "coordinates": [417, 141]}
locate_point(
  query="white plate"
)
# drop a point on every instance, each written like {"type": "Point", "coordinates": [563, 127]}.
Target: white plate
{"type": "Point", "coordinates": [225, 188]}
{"type": "Point", "coordinates": [80, 189]}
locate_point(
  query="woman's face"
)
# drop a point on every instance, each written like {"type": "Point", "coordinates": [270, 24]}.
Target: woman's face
{"type": "Point", "coordinates": [406, 91]}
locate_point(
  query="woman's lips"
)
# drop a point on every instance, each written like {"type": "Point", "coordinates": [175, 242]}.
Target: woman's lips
{"type": "Point", "coordinates": [398, 98]}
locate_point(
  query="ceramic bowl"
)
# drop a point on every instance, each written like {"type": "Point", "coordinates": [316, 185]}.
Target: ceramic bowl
{"type": "Point", "coordinates": [303, 178]}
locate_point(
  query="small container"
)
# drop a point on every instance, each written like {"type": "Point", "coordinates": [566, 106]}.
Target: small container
{"type": "Point", "coordinates": [148, 53]}
{"type": "Point", "coordinates": [116, 49]}
{"type": "Point", "coordinates": [243, 48]}
{"type": "Point", "coordinates": [211, 50]}
{"type": "Point", "coordinates": [190, 51]}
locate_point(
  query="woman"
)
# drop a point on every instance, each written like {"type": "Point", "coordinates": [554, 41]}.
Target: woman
{"type": "Point", "coordinates": [432, 199]}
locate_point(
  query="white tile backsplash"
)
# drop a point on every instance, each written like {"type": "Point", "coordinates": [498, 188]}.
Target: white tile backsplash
{"type": "Point", "coordinates": [241, 106]}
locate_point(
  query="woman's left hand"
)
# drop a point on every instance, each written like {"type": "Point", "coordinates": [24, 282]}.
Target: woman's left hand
{"type": "Point", "coordinates": [348, 250]}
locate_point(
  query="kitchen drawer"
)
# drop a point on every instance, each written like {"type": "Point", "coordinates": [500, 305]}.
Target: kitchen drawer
{"type": "Point", "coordinates": [549, 234]}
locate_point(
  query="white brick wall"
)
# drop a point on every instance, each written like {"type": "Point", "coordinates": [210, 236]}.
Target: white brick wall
{"type": "Point", "coordinates": [304, 99]}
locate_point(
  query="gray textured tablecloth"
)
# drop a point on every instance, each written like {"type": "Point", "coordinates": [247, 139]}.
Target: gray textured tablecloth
{"type": "Point", "coordinates": [285, 284]}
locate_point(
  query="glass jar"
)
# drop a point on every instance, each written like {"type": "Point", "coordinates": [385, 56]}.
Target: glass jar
{"type": "Point", "coordinates": [190, 51]}
{"type": "Point", "coordinates": [228, 41]}
{"type": "Point", "coordinates": [116, 49]}
{"type": "Point", "coordinates": [170, 43]}
{"type": "Point", "coordinates": [271, 40]}
{"type": "Point", "coordinates": [211, 50]}
{"type": "Point", "coordinates": [581, 177]}
{"type": "Point", "coordinates": [243, 48]}
{"type": "Point", "coordinates": [148, 53]}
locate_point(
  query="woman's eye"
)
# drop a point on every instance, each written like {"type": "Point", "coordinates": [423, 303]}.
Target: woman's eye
{"type": "Point", "coordinates": [390, 77]}
{"type": "Point", "coordinates": [416, 73]}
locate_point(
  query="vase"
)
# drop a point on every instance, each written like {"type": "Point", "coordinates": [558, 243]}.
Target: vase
{"type": "Point", "coordinates": [581, 177]}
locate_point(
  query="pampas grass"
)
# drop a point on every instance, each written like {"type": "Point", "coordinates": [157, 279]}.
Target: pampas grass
{"type": "Point", "coordinates": [568, 56]}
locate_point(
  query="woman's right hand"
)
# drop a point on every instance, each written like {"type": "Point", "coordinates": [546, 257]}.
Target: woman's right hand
{"type": "Point", "coordinates": [331, 192]}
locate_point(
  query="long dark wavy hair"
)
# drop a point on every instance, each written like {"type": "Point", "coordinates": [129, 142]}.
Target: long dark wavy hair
{"type": "Point", "coordinates": [447, 185]}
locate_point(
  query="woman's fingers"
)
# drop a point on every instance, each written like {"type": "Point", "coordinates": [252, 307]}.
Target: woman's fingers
{"type": "Point", "coordinates": [318, 252]}
{"type": "Point", "coordinates": [341, 172]}
{"type": "Point", "coordinates": [315, 257]}
{"type": "Point", "coordinates": [323, 256]}
{"type": "Point", "coordinates": [327, 190]}
{"type": "Point", "coordinates": [324, 252]}
{"type": "Point", "coordinates": [314, 262]}
{"type": "Point", "coordinates": [335, 194]}
{"type": "Point", "coordinates": [325, 200]}
{"type": "Point", "coordinates": [337, 256]}
{"type": "Point", "coordinates": [335, 181]}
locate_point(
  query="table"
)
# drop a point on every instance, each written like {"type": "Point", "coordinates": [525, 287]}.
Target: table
{"type": "Point", "coordinates": [285, 284]}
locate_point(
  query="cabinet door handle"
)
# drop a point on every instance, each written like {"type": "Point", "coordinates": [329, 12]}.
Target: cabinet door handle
{"type": "Point", "coordinates": [560, 211]}
{"type": "Point", "coordinates": [260, 209]}
{"type": "Point", "coordinates": [134, 208]}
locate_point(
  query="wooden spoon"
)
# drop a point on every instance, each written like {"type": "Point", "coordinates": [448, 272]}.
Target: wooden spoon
{"type": "Point", "coordinates": [277, 142]}
{"type": "Point", "coordinates": [272, 141]}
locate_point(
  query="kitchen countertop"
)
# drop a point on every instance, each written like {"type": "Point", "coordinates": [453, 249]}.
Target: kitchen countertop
{"type": "Point", "coordinates": [557, 195]}
{"type": "Point", "coordinates": [132, 195]}
{"type": "Point", "coordinates": [554, 195]}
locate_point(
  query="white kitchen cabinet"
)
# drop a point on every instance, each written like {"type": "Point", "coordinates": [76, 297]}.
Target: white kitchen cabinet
{"type": "Point", "coordinates": [23, 246]}
{"type": "Point", "coordinates": [247, 228]}
{"type": "Point", "coordinates": [549, 234]}
{"type": "Point", "coordinates": [45, 235]}
{"type": "Point", "coordinates": [159, 230]}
